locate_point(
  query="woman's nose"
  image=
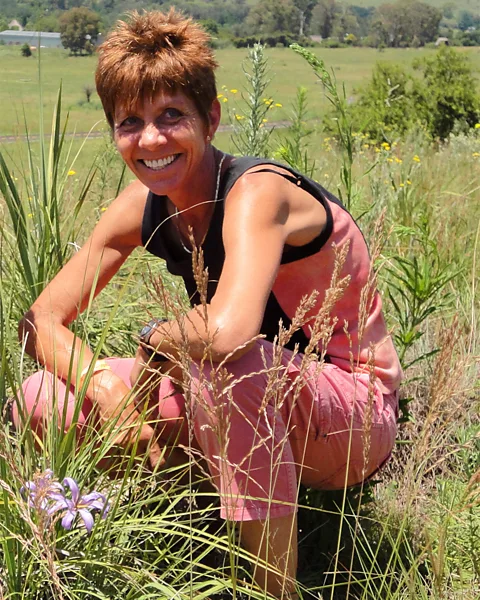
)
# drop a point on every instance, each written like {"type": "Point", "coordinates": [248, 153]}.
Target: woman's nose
{"type": "Point", "coordinates": [152, 136]}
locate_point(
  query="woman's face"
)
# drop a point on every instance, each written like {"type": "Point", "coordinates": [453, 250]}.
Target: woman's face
{"type": "Point", "coordinates": [163, 140]}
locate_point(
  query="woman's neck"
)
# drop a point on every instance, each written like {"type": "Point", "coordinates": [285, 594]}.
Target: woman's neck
{"type": "Point", "coordinates": [193, 208]}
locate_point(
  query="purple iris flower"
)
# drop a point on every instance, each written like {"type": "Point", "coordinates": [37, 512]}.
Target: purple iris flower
{"type": "Point", "coordinates": [38, 492]}
{"type": "Point", "coordinates": [78, 505]}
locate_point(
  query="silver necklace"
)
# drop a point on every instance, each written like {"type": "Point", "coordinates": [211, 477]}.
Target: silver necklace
{"type": "Point", "coordinates": [215, 200]}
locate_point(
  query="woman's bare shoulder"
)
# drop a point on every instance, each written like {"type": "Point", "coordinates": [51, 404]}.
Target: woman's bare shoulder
{"type": "Point", "coordinates": [122, 221]}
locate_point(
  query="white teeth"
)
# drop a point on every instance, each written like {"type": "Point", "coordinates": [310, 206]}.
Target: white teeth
{"type": "Point", "coordinates": [160, 164]}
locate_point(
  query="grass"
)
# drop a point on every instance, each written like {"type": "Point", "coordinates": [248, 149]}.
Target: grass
{"type": "Point", "coordinates": [412, 535]}
{"type": "Point", "coordinates": [19, 81]}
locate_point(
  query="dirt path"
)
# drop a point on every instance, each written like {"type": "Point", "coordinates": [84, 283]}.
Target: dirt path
{"type": "Point", "coordinates": [9, 139]}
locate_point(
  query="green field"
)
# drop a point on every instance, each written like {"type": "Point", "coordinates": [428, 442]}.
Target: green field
{"type": "Point", "coordinates": [412, 534]}
{"type": "Point", "coordinates": [19, 81]}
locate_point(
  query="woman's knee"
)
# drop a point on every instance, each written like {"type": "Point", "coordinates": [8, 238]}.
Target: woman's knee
{"type": "Point", "coordinates": [44, 399]}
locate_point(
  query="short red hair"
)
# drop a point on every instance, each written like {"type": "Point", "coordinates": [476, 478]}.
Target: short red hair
{"type": "Point", "coordinates": [155, 51]}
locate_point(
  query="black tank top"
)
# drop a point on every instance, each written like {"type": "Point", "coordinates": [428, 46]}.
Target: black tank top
{"type": "Point", "coordinates": [160, 237]}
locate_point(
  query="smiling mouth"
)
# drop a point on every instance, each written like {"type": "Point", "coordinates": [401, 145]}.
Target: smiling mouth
{"type": "Point", "coordinates": [158, 165]}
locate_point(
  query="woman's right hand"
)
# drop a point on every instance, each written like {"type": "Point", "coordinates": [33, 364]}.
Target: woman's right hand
{"type": "Point", "coordinates": [114, 400]}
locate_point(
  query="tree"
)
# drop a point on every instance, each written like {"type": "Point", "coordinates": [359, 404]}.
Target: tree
{"type": "Point", "coordinates": [304, 8]}
{"type": "Point", "coordinates": [466, 20]}
{"type": "Point", "coordinates": [397, 25]}
{"type": "Point", "coordinates": [345, 25]}
{"type": "Point", "coordinates": [46, 23]}
{"type": "Point", "coordinates": [323, 17]}
{"type": "Point", "coordinates": [79, 29]}
{"type": "Point", "coordinates": [271, 16]}
{"type": "Point", "coordinates": [423, 21]}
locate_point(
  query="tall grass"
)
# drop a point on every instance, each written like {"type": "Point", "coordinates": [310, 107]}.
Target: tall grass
{"type": "Point", "coordinates": [414, 533]}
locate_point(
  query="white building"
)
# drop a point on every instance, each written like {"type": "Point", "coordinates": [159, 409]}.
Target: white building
{"type": "Point", "coordinates": [44, 39]}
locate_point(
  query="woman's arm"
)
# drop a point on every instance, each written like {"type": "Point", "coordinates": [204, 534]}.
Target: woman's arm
{"type": "Point", "coordinates": [44, 328]}
{"type": "Point", "coordinates": [262, 213]}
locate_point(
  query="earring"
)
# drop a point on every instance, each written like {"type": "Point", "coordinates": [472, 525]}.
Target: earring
{"type": "Point", "coordinates": [209, 139]}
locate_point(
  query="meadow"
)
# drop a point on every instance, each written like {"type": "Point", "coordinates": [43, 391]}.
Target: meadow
{"type": "Point", "coordinates": [414, 532]}
{"type": "Point", "coordinates": [19, 81]}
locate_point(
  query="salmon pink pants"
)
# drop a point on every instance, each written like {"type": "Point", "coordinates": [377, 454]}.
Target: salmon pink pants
{"type": "Point", "coordinates": [260, 434]}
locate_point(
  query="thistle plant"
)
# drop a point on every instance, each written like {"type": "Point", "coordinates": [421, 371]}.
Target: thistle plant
{"type": "Point", "coordinates": [294, 146]}
{"type": "Point", "coordinates": [250, 136]}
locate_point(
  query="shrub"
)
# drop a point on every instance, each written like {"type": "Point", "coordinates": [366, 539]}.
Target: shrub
{"type": "Point", "coordinates": [272, 40]}
{"type": "Point", "coordinates": [385, 104]}
{"type": "Point", "coordinates": [444, 101]}
{"type": "Point", "coordinates": [26, 51]}
{"type": "Point", "coordinates": [448, 94]}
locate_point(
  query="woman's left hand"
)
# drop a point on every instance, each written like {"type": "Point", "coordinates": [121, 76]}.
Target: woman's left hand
{"type": "Point", "coordinates": [144, 370]}
{"type": "Point", "coordinates": [146, 373]}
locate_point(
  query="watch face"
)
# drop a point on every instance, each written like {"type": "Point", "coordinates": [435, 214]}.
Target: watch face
{"type": "Point", "coordinates": [146, 330]}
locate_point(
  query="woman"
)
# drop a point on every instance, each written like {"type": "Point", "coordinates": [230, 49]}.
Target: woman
{"type": "Point", "coordinates": [270, 237]}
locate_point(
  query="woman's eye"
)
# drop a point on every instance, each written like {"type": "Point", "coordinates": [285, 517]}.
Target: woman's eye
{"type": "Point", "coordinates": [172, 114]}
{"type": "Point", "coordinates": [129, 122]}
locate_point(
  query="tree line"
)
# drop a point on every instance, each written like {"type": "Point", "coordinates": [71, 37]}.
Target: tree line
{"type": "Point", "coordinates": [276, 22]}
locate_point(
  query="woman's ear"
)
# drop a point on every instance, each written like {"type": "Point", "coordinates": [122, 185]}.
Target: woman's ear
{"type": "Point", "coordinates": [214, 116]}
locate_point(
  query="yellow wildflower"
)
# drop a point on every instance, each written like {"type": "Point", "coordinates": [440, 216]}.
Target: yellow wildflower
{"type": "Point", "coordinates": [377, 149]}
{"type": "Point", "coordinates": [402, 185]}
{"type": "Point", "coordinates": [326, 175]}
{"type": "Point", "coordinates": [30, 215]}
{"type": "Point", "coordinates": [409, 182]}
{"type": "Point", "coordinates": [476, 154]}
{"type": "Point", "coordinates": [386, 146]}
{"type": "Point", "coordinates": [103, 209]}
{"type": "Point", "coordinates": [416, 158]}
{"type": "Point", "coordinates": [390, 160]}
{"type": "Point", "coordinates": [366, 145]}
{"type": "Point", "coordinates": [277, 104]}
{"type": "Point", "coordinates": [239, 117]}
{"type": "Point", "coordinates": [264, 120]}
{"type": "Point", "coordinates": [224, 99]}
{"type": "Point", "coordinates": [220, 96]}
{"type": "Point", "coordinates": [234, 91]}
{"type": "Point", "coordinates": [71, 172]}
{"type": "Point", "coordinates": [477, 125]}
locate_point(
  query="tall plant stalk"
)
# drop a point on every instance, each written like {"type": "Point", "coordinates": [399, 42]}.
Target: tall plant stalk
{"type": "Point", "coordinates": [250, 136]}
{"type": "Point", "coordinates": [344, 125]}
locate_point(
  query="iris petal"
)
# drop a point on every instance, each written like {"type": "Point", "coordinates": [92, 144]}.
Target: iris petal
{"type": "Point", "coordinates": [87, 519]}
{"type": "Point", "coordinates": [68, 519]}
{"type": "Point", "coordinates": [73, 486]}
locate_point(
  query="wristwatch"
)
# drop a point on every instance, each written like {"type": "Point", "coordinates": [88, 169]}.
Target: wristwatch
{"type": "Point", "coordinates": [144, 338]}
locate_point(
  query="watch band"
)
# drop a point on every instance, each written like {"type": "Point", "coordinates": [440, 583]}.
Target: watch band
{"type": "Point", "coordinates": [144, 337]}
